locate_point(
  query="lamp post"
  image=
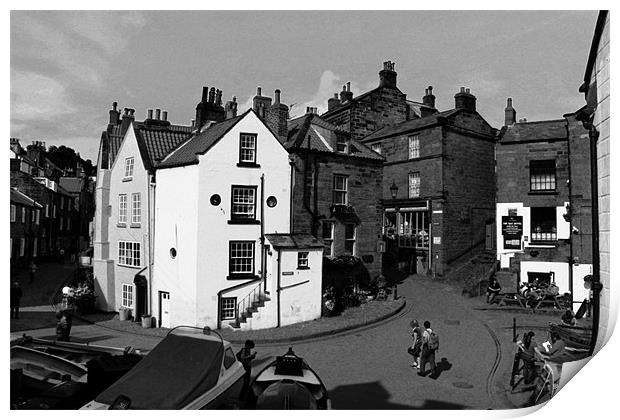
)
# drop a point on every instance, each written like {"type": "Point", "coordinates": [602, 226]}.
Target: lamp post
{"type": "Point", "coordinates": [394, 190]}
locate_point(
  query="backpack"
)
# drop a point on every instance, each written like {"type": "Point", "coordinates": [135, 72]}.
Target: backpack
{"type": "Point", "coordinates": [433, 340]}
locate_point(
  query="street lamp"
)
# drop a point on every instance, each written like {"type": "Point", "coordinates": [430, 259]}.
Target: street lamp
{"type": "Point", "coordinates": [394, 190]}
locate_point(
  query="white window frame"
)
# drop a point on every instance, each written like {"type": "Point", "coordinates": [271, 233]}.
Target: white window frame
{"type": "Point", "coordinates": [136, 209]}
{"type": "Point", "coordinates": [303, 260]}
{"type": "Point", "coordinates": [22, 246]}
{"type": "Point", "coordinates": [247, 153]}
{"type": "Point", "coordinates": [34, 247]}
{"type": "Point", "coordinates": [229, 308]}
{"type": "Point", "coordinates": [129, 164]}
{"type": "Point", "coordinates": [243, 206]}
{"type": "Point", "coordinates": [129, 254]}
{"type": "Point", "coordinates": [351, 240]}
{"type": "Point", "coordinates": [37, 217]}
{"type": "Point", "coordinates": [47, 210]}
{"type": "Point", "coordinates": [13, 213]}
{"type": "Point", "coordinates": [23, 214]}
{"type": "Point", "coordinates": [414, 184]}
{"type": "Point", "coordinates": [237, 251]}
{"type": "Point", "coordinates": [329, 241]}
{"type": "Point", "coordinates": [414, 146]}
{"type": "Point", "coordinates": [127, 293]}
{"type": "Point", "coordinates": [339, 190]}
{"type": "Point", "coordinates": [122, 208]}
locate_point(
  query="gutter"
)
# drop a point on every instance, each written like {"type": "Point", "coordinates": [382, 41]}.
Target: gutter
{"type": "Point", "coordinates": [570, 218]}
{"type": "Point", "coordinates": [262, 231]}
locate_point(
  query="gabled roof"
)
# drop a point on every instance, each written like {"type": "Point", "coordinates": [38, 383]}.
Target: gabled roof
{"type": "Point", "coordinates": [156, 142]}
{"type": "Point", "coordinates": [303, 128]}
{"type": "Point", "coordinates": [19, 197]}
{"type": "Point", "coordinates": [187, 153]}
{"type": "Point", "coordinates": [534, 131]}
{"type": "Point", "coordinates": [293, 240]}
{"type": "Point", "coordinates": [357, 98]}
{"type": "Point", "coordinates": [411, 125]}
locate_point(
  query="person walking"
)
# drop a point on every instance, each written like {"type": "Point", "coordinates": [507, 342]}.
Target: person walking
{"type": "Point", "coordinates": [416, 345]}
{"type": "Point", "coordinates": [245, 356]}
{"type": "Point", "coordinates": [528, 357]}
{"type": "Point", "coordinates": [32, 268]}
{"type": "Point", "coordinates": [16, 295]}
{"type": "Point", "coordinates": [430, 344]}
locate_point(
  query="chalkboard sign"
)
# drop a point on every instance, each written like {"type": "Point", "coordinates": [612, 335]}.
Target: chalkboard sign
{"type": "Point", "coordinates": [512, 226]}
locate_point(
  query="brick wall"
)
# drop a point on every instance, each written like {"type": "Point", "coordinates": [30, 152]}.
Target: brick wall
{"type": "Point", "coordinates": [364, 194]}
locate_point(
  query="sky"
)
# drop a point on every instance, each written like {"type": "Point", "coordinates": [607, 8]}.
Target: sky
{"type": "Point", "coordinates": [67, 67]}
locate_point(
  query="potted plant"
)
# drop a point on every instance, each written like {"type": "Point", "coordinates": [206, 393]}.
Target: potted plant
{"type": "Point", "coordinates": [124, 314]}
{"type": "Point", "coordinates": [147, 321]}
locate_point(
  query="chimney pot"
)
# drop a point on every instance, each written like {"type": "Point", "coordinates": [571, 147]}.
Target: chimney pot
{"type": "Point", "coordinates": [510, 115]}
{"type": "Point", "coordinates": [258, 91]}
{"type": "Point", "coordinates": [335, 96]}
{"type": "Point", "coordinates": [348, 86]}
{"type": "Point", "coordinates": [114, 105]}
{"type": "Point", "coordinates": [234, 99]}
{"type": "Point", "coordinates": [509, 102]}
{"type": "Point", "coordinates": [467, 90]}
{"type": "Point", "coordinates": [149, 114]}
{"type": "Point", "coordinates": [157, 114]}
{"type": "Point", "coordinates": [462, 89]}
{"type": "Point", "coordinates": [205, 94]}
{"type": "Point", "coordinates": [165, 116]}
{"type": "Point", "coordinates": [276, 96]}
{"type": "Point", "coordinates": [308, 110]}
{"type": "Point", "coordinates": [212, 95]}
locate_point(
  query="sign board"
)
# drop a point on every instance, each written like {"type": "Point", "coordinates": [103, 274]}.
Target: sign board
{"type": "Point", "coordinates": [436, 240]}
{"type": "Point", "coordinates": [380, 246]}
{"type": "Point", "coordinates": [287, 273]}
{"type": "Point", "coordinates": [512, 226]}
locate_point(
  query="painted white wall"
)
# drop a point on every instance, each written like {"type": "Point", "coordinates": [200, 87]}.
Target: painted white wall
{"type": "Point", "coordinates": [176, 226]}
{"type": "Point", "coordinates": [120, 185]}
{"type": "Point", "coordinates": [300, 301]}
{"type": "Point", "coordinates": [103, 266]}
{"type": "Point", "coordinates": [579, 292]}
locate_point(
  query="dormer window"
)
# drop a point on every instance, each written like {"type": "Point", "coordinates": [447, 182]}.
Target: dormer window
{"type": "Point", "coordinates": [247, 149]}
{"type": "Point", "coordinates": [129, 168]}
{"type": "Point", "coordinates": [342, 145]}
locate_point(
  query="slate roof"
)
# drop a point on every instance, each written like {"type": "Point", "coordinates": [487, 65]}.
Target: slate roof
{"type": "Point", "coordinates": [187, 153]}
{"type": "Point", "coordinates": [19, 197]}
{"type": "Point", "coordinates": [299, 129]}
{"type": "Point", "coordinates": [411, 125]}
{"type": "Point", "coordinates": [293, 240]}
{"type": "Point", "coordinates": [534, 131]}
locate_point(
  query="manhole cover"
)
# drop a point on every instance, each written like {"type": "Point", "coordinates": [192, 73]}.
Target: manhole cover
{"type": "Point", "coordinates": [452, 322]}
{"type": "Point", "coordinates": [465, 385]}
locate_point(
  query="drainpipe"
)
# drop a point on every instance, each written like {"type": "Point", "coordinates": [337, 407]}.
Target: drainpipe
{"type": "Point", "coordinates": [151, 236]}
{"type": "Point", "coordinates": [262, 231]}
{"type": "Point", "coordinates": [278, 287]}
{"type": "Point", "coordinates": [570, 219]}
{"type": "Point", "coordinates": [291, 162]}
{"type": "Point", "coordinates": [597, 286]}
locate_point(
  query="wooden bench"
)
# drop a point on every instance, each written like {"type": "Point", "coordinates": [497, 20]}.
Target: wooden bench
{"type": "Point", "coordinates": [511, 298]}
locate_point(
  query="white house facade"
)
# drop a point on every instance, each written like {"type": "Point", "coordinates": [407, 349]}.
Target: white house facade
{"type": "Point", "coordinates": [220, 195]}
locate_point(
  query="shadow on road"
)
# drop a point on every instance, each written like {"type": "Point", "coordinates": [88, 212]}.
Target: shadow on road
{"type": "Point", "coordinates": [442, 366]}
{"type": "Point", "coordinates": [373, 396]}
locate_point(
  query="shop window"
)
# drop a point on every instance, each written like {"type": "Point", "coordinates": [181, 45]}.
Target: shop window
{"type": "Point", "coordinates": [543, 223]}
{"type": "Point", "coordinates": [542, 175]}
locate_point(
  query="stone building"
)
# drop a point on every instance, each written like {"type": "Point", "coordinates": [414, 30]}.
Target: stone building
{"type": "Point", "coordinates": [438, 184]}
{"type": "Point", "coordinates": [595, 116]}
{"type": "Point", "coordinates": [543, 202]}
{"type": "Point", "coordinates": [25, 229]}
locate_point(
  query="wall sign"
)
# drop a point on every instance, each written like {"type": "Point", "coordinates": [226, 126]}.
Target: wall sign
{"type": "Point", "coordinates": [512, 230]}
{"type": "Point", "coordinates": [436, 240]}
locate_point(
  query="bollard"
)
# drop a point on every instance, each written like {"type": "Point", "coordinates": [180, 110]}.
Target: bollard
{"type": "Point", "coordinates": [514, 330]}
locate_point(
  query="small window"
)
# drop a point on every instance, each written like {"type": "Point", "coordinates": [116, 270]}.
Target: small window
{"type": "Point", "coordinates": [414, 147]}
{"type": "Point", "coordinates": [241, 258]}
{"type": "Point", "coordinates": [13, 212]}
{"type": "Point", "coordinates": [342, 144]}
{"type": "Point", "coordinates": [62, 219]}
{"type": "Point", "coordinates": [302, 260]}
{"type": "Point", "coordinates": [328, 238]}
{"type": "Point", "coordinates": [22, 246]}
{"type": "Point", "coordinates": [247, 148]}
{"type": "Point", "coordinates": [62, 203]}
{"type": "Point", "coordinates": [37, 219]}
{"type": "Point", "coordinates": [136, 214]}
{"type": "Point", "coordinates": [54, 211]}
{"type": "Point", "coordinates": [543, 221]}
{"type": "Point", "coordinates": [376, 148]}
{"type": "Point", "coordinates": [47, 210]}
{"type": "Point", "coordinates": [229, 308]}
{"type": "Point", "coordinates": [243, 203]}
{"type": "Point", "coordinates": [229, 358]}
{"type": "Point", "coordinates": [23, 214]}
{"type": "Point", "coordinates": [349, 238]}
{"type": "Point", "coordinates": [340, 189]}
{"type": "Point", "coordinates": [129, 167]}
{"type": "Point", "coordinates": [35, 247]}
{"type": "Point", "coordinates": [127, 296]}
{"type": "Point", "coordinates": [542, 175]}
{"type": "Point", "coordinates": [122, 208]}
{"type": "Point", "coordinates": [414, 184]}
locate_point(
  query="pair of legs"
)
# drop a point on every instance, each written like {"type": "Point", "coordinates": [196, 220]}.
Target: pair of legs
{"type": "Point", "coordinates": [491, 296]}
{"type": "Point", "coordinates": [15, 311]}
{"type": "Point", "coordinates": [428, 356]}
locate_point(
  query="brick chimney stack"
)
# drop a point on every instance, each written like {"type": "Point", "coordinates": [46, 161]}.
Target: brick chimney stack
{"type": "Point", "coordinates": [128, 118]}
{"type": "Point", "coordinates": [114, 114]}
{"type": "Point", "coordinates": [231, 108]}
{"type": "Point", "coordinates": [346, 94]}
{"type": "Point", "coordinates": [387, 76]}
{"type": "Point", "coordinates": [260, 103]}
{"type": "Point", "coordinates": [209, 109]}
{"type": "Point", "coordinates": [332, 103]}
{"type": "Point", "coordinates": [510, 114]}
{"type": "Point", "coordinates": [429, 99]}
{"type": "Point", "coordinates": [465, 100]}
{"type": "Point", "coordinates": [277, 117]}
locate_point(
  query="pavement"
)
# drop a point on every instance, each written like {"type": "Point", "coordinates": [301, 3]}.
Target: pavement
{"type": "Point", "coordinates": [362, 353]}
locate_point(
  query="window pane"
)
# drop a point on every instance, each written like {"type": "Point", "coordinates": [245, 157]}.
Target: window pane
{"type": "Point", "coordinates": [242, 257]}
{"type": "Point", "coordinates": [247, 148]}
{"type": "Point", "coordinates": [243, 202]}
{"type": "Point", "coordinates": [543, 224]}
{"type": "Point", "coordinates": [414, 184]}
{"type": "Point", "coordinates": [542, 175]}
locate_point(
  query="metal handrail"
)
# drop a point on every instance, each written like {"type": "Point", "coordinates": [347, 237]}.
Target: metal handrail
{"type": "Point", "coordinates": [247, 301]}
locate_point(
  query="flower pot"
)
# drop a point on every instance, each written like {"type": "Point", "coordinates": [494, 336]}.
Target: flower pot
{"type": "Point", "coordinates": [147, 321]}
{"type": "Point", "coordinates": [124, 314]}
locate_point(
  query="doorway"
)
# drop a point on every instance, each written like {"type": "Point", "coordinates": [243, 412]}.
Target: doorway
{"type": "Point", "coordinates": [164, 309]}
